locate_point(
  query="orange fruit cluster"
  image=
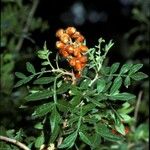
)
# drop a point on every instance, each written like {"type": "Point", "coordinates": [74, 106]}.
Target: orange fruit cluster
{"type": "Point", "coordinates": [71, 46]}
{"type": "Point", "coordinates": [116, 133]}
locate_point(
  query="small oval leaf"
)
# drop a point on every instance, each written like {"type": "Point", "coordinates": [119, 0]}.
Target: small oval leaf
{"type": "Point", "coordinates": [135, 68]}
{"type": "Point", "coordinates": [85, 138]}
{"type": "Point", "coordinates": [43, 109]}
{"type": "Point", "coordinates": [127, 81]}
{"type": "Point", "coordinates": [44, 80]}
{"type": "Point", "coordinates": [30, 67]}
{"type": "Point", "coordinates": [39, 95]}
{"type": "Point", "coordinates": [116, 85]}
{"type": "Point", "coordinates": [39, 141]}
{"type": "Point", "coordinates": [69, 141]}
{"type": "Point", "coordinates": [138, 76]}
{"type": "Point", "coordinates": [114, 68]}
{"type": "Point", "coordinates": [101, 83]}
{"type": "Point", "coordinates": [20, 75]}
{"type": "Point", "coordinates": [122, 96]}
{"type": "Point", "coordinates": [125, 68]}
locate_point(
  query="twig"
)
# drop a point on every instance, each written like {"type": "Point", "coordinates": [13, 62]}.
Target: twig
{"type": "Point", "coordinates": [15, 142]}
{"type": "Point", "coordinates": [27, 25]}
{"type": "Point", "coordinates": [95, 78]}
{"type": "Point", "coordinates": [137, 105]}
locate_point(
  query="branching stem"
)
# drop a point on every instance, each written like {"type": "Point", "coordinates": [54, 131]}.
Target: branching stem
{"type": "Point", "coordinates": [15, 142]}
{"type": "Point", "coordinates": [27, 25]}
{"type": "Point", "coordinates": [137, 105]}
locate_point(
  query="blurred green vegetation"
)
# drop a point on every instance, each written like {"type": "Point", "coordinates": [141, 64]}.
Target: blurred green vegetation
{"type": "Point", "coordinates": [17, 25]}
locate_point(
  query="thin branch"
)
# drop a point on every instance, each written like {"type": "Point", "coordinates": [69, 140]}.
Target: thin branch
{"type": "Point", "coordinates": [15, 142]}
{"type": "Point", "coordinates": [95, 78]}
{"type": "Point", "coordinates": [27, 25]}
{"type": "Point", "coordinates": [137, 105]}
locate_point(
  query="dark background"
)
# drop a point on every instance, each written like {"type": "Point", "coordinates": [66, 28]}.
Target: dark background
{"type": "Point", "coordinates": [94, 19]}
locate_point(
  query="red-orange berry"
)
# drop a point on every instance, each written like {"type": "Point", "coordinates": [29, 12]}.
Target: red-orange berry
{"type": "Point", "coordinates": [64, 53]}
{"type": "Point", "coordinates": [60, 44]}
{"type": "Point", "coordinates": [83, 48]}
{"type": "Point", "coordinates": [80, 39]}
{"type": "Point", "coordinates": [72, 62]}
{"type": "Point", "coordinates": [69, 49]}
{"type": "Point", "coordinates": [70, 30]}
{"type": "Point", "coordinates": [76, 35]}
{"type": "Point", "coordinates": [65, 38]}
{"type": "Point", "coordinates": [78, 66]}
{"type": "Point", "coordinates": [60, 32]}
{"type": "Point", "coordinates": [83, 65]}
{"type": "Point", "coordinates": [127, 130]}
{"type": "Point", "coordinates": [78, 75]}
{"type": "Point", "coordinates": [83, 59]}
{"type": "Point", "coordinates": [77, 52]}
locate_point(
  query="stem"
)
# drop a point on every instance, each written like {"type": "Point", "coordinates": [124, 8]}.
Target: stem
{"type": "Point", "coordinates": [27, 25]}
{"type": "Point", "coordinates": [95, 78]}
{"type": "Point", "coordinates": [119, 117]}
{"type": "Point", "coordinates": [116, 75]}
{"type": "Point", "coordinates": [80, 118]}
{"type": "Point", "coordinates": [76, 147]}
{"type": "Point", "coordinates": [55, 95]}
{"type": "Point", "coordinates": [57, 71]}
{"type": "Point", "coordinates": [57, 61]}
{"type": "Point", "coordinates": [15, 142]}
{"type": "Point", "coordinates": [60, 70]}
{"type": "Point", "coordinates": [50, 62]}
{"type": "Point", "coordinates": [137, 105]}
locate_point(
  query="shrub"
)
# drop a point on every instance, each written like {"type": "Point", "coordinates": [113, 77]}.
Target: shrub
{"type": "Point", "coordinates": [84, 103]}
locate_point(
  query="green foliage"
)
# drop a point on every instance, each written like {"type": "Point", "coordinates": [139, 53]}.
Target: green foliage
{"type": "Point", "coordinates": [17, 25]}
{"type": "Point", "coordinates": [68, 107]}
{"type": "Point", "coordinates": [7, 78]}
{"type": "Point", "coordinates": [104, 132]}
{"type": "Point", "coordinates": [11, 13]}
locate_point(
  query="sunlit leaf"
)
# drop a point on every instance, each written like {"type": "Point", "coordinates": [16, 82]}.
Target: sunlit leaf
{"type": "Point", "coordinates": [138, 76]}
{"type": "Point", "coordinates": [102, 130]}
{"type": "Point", "coordinates": [116, 85]}
{"type": "Point", "coordinates": [125, 68]}
{"type": "Point", "coordinates": [39, 95]}
{"type": "Point", "coordinates": [114, 68]}
{"type": "Point", "coordinates": [135, 68]}
{"type": "Point", "coordinates": [54, 119]}
{"type": "Point", "coordinates": [85, 138]}
{"type": "Point", "coordinates": [39, 126]}
{"type": "Point", "coordinates": [120, 128]}
{"type": "Point", "coordinates": [39, 141]}
{"type": "Point", "coordinates": [122, 96]}
{"type": "Point", "coordinates": [101, 83]}
{"type": "Point", "coordinates": [45, 63]}
{"type": "Point", "coordinates": [69, 141]}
